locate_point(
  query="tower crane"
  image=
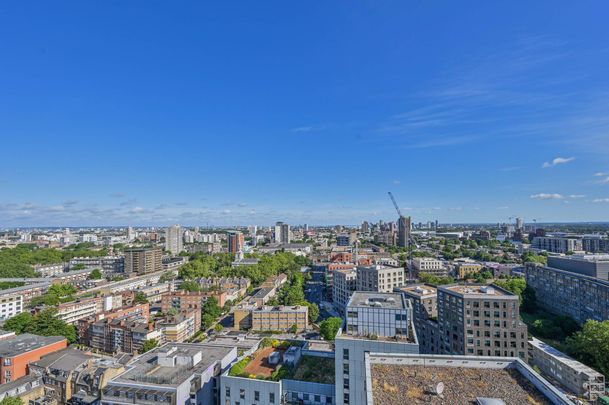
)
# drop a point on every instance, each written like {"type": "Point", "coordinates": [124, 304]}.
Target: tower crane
{"type": "Point", "coordinates": [395, 204]}
{"type": "Point", "coordinates": [409, 239]}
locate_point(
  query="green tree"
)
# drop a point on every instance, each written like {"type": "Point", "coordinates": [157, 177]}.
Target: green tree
{"type": "Point", "coordinates": [149, 345]}
{"type": "Point", "coordinates": [212, 307]}
{"type": "Point", "coordinates": [313, 311]}
{"type": "Point", "coordinates": [44, 323]}
{"type": "Point", "coordinates": [435, 280]}
{"type": "Point", "coordinates": [218, 327]}
{"type": "Point", "coordinates": [529, 300]}
{"type": "Point", "coordinates": [11, 401]}
{"type": "Point", "coordinates": [515, 285]}
{"type": "Point", "coordinates": [329, 328]}
{"type": "Point", "coordinates": [591, 345]}
{"type": "Point", "coordinates": [96, 274]}
{"type": "Point", "coordinates": [190, 285]}
{"type": "Point", "coordinates": [530, 257]}
{"type": "Point", "coordinates": [78, 266]}
{"type": "Point", "coordinates": [19, 323]}
{"type": "Point", "coordinates": [294, 328]}
{"type": "Point", "coordinates": [167, 276]}
{"type": "Point", "coordinates": [140, 298]}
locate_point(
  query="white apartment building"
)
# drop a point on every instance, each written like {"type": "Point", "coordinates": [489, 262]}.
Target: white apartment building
{"type": "Point", "coordinates": [429, 265]}
{"type": "Point", "coordinates": [173, 239]}
{"type": "Point", "coordinates": [379, 278]}
{"type": "Point", "coordinates": [344, 282]}
{"type": "Point", "coordinates": [10, 305]}
{"type": "Point", "coordinates": [376, 323]}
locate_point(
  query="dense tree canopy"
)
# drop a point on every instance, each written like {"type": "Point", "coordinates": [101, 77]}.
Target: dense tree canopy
{"type": "Point", "coordinates": [11, 401]}
{"type": "Point", "coordinates": [591, 345]}
{"type": "Point", "coordinates": [96, 274]}
{"type": "Point", "coordinates": [435, 280]}
{"type": "Point", "coordinates": [329, 328]}
{"type": "Point", "coordinates": [190, 285]}
{"type": "Point", "coordinates": [56, 294]}
{"type": "Point", "coordinates": [204, 265]}
{"type": "Point", "coordinates": [43, 323]}
{"type": "Point", "coordinates": [149, 345]}
{"type": "Point", "coordinates": [18, 261]}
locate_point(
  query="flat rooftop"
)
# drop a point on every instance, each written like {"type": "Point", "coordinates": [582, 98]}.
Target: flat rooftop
{"type": "Point", "coordinates": [419, 290]}
{"type": "Point", "coordinates": [26, 342]}
{"type": "Point", "coordinates": [146, 370]}
{"type": "Point", "coordinates": [67, 359]}
{"type": "Point", "coordinates": [413, 384]}
{"type": "Point", "coordinates": [562, 358]}
{"type": "Point", "coordinates": [361, 299]}
{"type": "Point", "coordinates": [585, 257]}
{"type": "Point", "coordinates": [477, 290]}
{"type": "Point", "coordinates": [346, 271]}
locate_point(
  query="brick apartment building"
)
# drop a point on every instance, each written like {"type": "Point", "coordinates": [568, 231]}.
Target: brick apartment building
{"type": "Point", "coordinates": [18, 351]}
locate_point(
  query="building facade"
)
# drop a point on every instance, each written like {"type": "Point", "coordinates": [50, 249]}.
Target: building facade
{"type": "Point", "coordinates": [575, 376]}
{"type": "Point", "coordinates": [429, 265]}
{"type": "Point", "coordinates": [344, 282]}
{"type": "Point", "coordinates": [379, 278]}
{"type": "Point", "coordinates": [143, 260]}
{"type": "Point", "coordinates": [424, 299]}
{"type": "Point", "coordinates": [17, 352]}
{"type": "Point", "coordinates": [374, 311]}
{"type": "Point", "coordinates": [236, 241]}
{"type": "Point", "coordinates": [173, 239]}
{"type": "Point", "coordinates": [557, 244]}
{"type": "Point", "coordinates": [480, 320]}
{"type": "Point", "coordinates": [566, 293]}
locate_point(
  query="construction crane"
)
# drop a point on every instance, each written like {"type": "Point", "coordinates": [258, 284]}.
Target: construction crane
{"type": "Point", "coordinates": [395, 204]}
{"type": "Point", "coordinates": [409, 239]}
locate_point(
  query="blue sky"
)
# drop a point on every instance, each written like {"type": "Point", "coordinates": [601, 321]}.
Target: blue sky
{"type": "Point", "coordinates": [152, 112]}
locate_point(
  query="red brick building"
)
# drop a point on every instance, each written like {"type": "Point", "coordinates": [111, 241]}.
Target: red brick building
{"type": "Point", "coordinates": [19, 351]}
{"type": "Point", "coordinates": [185, 300]}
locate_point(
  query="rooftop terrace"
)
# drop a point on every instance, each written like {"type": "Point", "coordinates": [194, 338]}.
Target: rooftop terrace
{"type": "Point", "coordinates": [480, 290]}
{"type": "Point", "coordinates": [378, 300]}
{"type": "Point", "coordinates": [182, 361]}
{"type": "Point", "coordinates": [421, 290]}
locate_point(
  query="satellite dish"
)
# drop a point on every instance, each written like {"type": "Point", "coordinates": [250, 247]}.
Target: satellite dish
{"type": "Point", "coordinates": [438, 389]}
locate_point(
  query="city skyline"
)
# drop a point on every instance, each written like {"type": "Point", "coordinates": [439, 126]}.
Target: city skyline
{"type": "Point", "coordinates": [150, 114]}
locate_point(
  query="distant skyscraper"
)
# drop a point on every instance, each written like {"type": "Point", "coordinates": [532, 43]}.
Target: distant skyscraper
{"type": "Point", "coordinates": [306, 228]}
{"type": "Point", "coordinates": [173, 239]}
{"type": "Point", "coordinates": [404, 227]}
{"type": "Point", "coordinates": [235, 242]}
{"type": "Point", "coordinates": [130, 234]}
{"type": "Point", "coordinates": [365, 227]}
{"type": "Point", "coordinates": [519, 223]}
{"type": "Point", "coordinates": [282, 232]}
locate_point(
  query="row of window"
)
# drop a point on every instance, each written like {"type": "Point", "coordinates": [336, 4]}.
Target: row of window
{"type": "Point", "coordinates": [242, 396]}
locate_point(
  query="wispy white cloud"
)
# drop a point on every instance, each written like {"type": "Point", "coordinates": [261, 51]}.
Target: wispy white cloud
{"type": "Point", "coordinates": [557, 161]}
{"type": "Point", "coordinates": [600, 174]}
{"type": "Point", "coordinates": [601, 200]}
{"type": "Point", "coordinates": [604, 181]}
{"type": "Point", "coordinates": [511, 93]}
{"type": "Point", "coordinates": [307, 128]}
{"type": "Point", "coordinates": [576, 196]}
{"type": "Point", "coordinates": [546, 196]}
